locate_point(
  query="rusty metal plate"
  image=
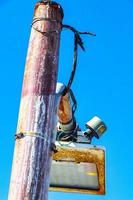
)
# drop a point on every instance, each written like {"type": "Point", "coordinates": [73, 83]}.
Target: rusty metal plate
{"type": "Point", "coordinates": [82, 153]}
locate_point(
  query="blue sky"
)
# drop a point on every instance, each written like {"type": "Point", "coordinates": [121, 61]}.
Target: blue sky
{"type": "Point", "coordinates": [103, 84]}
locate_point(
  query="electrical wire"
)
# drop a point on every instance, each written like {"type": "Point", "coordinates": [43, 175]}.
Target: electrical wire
{"type": "Point", "coordinates": [77, 42]}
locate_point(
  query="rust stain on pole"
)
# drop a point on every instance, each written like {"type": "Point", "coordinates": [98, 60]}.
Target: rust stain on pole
{"type": "Point", "coordinates": [32, 155]}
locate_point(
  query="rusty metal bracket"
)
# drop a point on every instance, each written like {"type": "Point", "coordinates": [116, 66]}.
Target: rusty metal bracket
{"type": "Point", "coordinates": [19, 136]}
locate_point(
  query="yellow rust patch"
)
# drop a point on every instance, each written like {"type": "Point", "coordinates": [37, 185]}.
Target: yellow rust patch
{"type": "Point", "coordinates": [90, 155]}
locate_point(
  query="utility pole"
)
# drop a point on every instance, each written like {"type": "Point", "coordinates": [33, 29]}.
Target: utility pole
{"type": "Point", "coordinates": [34, 137]}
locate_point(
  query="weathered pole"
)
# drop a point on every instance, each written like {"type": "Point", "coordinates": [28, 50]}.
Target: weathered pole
{"type": "Point", "coordinates": [34, 137]}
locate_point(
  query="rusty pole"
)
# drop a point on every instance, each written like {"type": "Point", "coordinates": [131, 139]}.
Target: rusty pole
{"type": "Point", "coordinates": [33, 153]}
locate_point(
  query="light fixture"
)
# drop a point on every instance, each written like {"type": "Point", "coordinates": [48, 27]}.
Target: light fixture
{"type": "Point", "coordinates": [78, 168]}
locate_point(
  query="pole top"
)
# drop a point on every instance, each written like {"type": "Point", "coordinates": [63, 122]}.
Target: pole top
{"type": "Point", "coordinates": [53, 4]}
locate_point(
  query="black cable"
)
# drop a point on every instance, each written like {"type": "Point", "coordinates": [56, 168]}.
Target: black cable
{"type": "Point", "coordinates": [77, 41]}
{"type": "Point", "coordinates": [74, 106]}
{"type": "Point", "coordinates": [45, 33]}
{"type": "Point", "coordinates": [61, 135]}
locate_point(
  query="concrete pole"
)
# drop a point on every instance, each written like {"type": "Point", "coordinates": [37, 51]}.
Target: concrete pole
{"type": "Point", "coordinates": [33, 152]}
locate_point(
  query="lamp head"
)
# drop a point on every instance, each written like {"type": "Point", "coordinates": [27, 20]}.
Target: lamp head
{"type": "Point", "coordinates": [95, 128]}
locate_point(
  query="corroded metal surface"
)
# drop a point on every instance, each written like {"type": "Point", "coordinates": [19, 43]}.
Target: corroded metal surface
{"type": "Point", "coordinates": [65, 110]}
{"type": "Point", "coordinates": [32, 155]}
{"type": "Point", "coordinates": [91, 155]}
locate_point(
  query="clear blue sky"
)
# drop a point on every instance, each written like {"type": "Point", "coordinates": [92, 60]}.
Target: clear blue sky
{"type": "Point", "coordinates": [103, 84]}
